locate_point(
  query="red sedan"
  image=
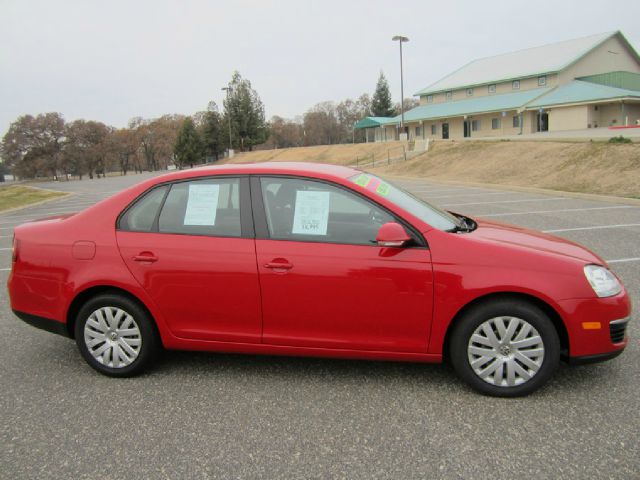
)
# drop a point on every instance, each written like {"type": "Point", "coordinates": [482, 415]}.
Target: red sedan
{"type": "Point", "coordinates": [317, 260]}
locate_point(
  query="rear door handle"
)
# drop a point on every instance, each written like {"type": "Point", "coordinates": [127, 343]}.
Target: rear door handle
{"type": "Point", "coordinates": [145, 258]}
{"type": "Point", "coordinates": [278, 266]}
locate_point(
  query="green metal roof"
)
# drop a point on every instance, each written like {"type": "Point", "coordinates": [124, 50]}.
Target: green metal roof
{"type": "Point", "coordinates": [626, 80]}
{"type": "Point", "coordinates": [486, 104]}
{"type": "Point", "coordinates": [579, 92]}
{"type": "Point", "coordinates": [371, 122]}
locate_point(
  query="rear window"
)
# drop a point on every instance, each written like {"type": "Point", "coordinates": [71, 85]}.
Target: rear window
{"type": "Point", "coordinates": [141, 215]}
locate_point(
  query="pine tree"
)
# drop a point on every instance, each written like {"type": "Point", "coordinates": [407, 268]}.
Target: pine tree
{"type": "Point", "coordinates": [188, 147]}
{"type": "Point", "coordinates": [243, 104]}
{"type": "Point", "coordinates": [381, 104]}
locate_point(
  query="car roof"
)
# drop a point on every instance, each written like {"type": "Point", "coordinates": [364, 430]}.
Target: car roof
{"type": "Point", "coordinates": [321, 170]}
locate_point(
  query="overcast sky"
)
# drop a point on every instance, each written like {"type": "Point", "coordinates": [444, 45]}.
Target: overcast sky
{"type": "Point", "coordinates": [113, 60]}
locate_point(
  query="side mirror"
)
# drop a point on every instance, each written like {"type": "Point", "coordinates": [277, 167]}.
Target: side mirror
{"type": "Point", "coordinates": [392, 234]}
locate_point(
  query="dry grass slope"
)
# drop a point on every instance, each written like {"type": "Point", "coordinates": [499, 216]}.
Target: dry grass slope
{"type": "Point", "coordinates": [600, 168]}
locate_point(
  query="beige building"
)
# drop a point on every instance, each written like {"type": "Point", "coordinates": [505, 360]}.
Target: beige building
{"type": "Point", "coordinates": [590, 82]}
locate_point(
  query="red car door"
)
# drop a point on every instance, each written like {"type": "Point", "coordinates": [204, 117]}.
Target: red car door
{"type": "Point", "coordinates": [325, 283]}
{"type": "Point", "coordinates": [196, 258]}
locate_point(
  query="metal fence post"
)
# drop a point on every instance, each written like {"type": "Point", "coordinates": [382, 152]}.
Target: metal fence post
{"type": "Point", "coordinates": [404, 153]}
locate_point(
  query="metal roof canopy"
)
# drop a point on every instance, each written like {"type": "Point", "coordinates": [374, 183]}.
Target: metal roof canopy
{"type": "Point", "coordinates": [579, 91]}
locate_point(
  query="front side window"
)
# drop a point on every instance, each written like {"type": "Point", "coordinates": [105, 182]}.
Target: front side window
{"type": "Point", "coordinates": [307, 210]}
{"type": "Point", "coordinates": [469, 92]}
{"type": "Point", "coordinates": [429, 98]}
{"type": "Point", "coordinates": [515, 85]}
{"type": "Point", "coordinates": [495, 123]}
{"type": "Point", "coordinates": [492, 88]}
{"type": "Point", "coordinates": [449, 95]}
{"type": "Point", "coordinates": [542, 81]}
{"type": "Point", "coordinates": [202, 207]}
{"type": "Point", "coordinates": [475, 125]}
{"type": "Point", "coordinates": [434, 129]}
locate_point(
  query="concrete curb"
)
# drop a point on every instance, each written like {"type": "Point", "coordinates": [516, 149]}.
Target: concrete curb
{"type": "Point", "coordinates": [41, 202]}
{"type": "Point", "coordinates": [515, 188]}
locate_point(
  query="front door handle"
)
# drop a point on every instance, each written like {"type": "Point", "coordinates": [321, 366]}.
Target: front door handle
{"type": "Point", "coordinates": [145, 257]}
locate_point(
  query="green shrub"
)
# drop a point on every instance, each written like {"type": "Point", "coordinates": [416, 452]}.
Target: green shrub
{"type": "Point", "coordinates": [619, 139]}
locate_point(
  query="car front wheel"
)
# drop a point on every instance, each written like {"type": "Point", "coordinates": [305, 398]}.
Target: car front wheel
{"type": "Point", "coordinates": [115, 335]}
{"type": "Point", "coordinates": [505, 348]}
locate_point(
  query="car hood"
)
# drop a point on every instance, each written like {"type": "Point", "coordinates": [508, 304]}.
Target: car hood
{"type": "Point", "coordinates": [505, 234]}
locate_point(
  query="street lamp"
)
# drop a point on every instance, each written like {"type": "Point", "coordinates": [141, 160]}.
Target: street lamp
{"type": "Point", "coordinates": [229, 90]}
{"type": "Point", "coordinates": [400, 39]}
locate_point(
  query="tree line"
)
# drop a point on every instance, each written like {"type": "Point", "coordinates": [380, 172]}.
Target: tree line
{"type": "Point", "coordinates": [46, 146]}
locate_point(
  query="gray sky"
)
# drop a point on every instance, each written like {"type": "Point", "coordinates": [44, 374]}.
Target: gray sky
{"type": "Point", "coordinates": [113, 60]}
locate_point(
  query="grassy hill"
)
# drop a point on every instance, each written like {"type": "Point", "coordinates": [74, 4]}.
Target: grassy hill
{"type": "Point", "coordinates": [601, 168]}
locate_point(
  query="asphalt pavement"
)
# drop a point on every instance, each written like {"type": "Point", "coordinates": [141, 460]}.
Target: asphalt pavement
{"type": "Point", "coordinates": [204, 415]}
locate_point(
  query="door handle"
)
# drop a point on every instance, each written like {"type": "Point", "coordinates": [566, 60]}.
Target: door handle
{"type": "Point", "coordinates": [278, 265]}
{"type": "Point", "coordinates": [149, 258]}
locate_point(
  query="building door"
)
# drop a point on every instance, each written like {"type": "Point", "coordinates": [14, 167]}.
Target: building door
{"type": "Point", "coordinates": [467, 128]}
{"type": "Point", "coordinates": [445, 131]}
{"type": "Point", "coordinates": [542, 122]}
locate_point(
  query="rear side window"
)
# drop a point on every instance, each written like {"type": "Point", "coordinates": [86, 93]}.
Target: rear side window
{"type": "Point", "coordinates": [202, 207]}
{"type": "Point", "coordinates": [141, 215]}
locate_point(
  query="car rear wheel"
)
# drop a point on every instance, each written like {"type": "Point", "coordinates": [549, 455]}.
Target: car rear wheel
{"type": "Point", "coordinates": [115, 335]}
{"type": "Point", "coordinates": [505, 348]}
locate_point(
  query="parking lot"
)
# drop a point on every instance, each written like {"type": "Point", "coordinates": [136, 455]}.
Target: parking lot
{"type": "Point", "coordinates": [200, 415]}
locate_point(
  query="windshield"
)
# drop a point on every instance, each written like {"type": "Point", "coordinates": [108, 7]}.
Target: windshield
{"type": "Point", "coordinates": [418, 208]}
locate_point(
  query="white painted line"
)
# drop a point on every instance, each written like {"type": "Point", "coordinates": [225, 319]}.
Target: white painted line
{"type": "Point", "coordinates": [624, 260]}
{"type": "Point", "coordinates": [596, 227]}
{"type": "Point", "coordinates": [8, 248]}
{"type": "Point", "coordinates": [471, 194]}
{"type": "Point", "coordinates": [556, 211]}
{"type": "Point", "coordinates": [504, 201]}
{"type": "Point", "coordinates": [4, 269]}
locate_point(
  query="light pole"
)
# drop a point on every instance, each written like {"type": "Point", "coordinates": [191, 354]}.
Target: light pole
{"type": "Point", "coordinates": [229, 90]}
{"type": "Point", "coordinates": [400, 39]}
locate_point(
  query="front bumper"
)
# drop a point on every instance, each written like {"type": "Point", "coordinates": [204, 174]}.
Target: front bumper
{"type": "Point", "coordinates": [596, 327]}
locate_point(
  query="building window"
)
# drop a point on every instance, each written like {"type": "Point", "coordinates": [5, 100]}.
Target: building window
{"type": "Point", "coordinates": [469, 92]}
{"type": "Point", "coordinates": [449, 95]}
{"type": "Point", "coordinates": [475, 125]}
{"type": "Point", "coordinates": [495, 123]}
{"type": "Point", "coordinates": [429, 98]}
{"type": "Point", "coordinates": [515, 85]}
{"type": "Point", "coordinates": [542, 81]}
{"type": "Point", "coordinates": [492, 88]}
{"type": "Point", "coordinates": [434, 129]}
{"type": "Point", "coordinates": [516, 121]}
{"type": "Point", "coordinates": [418, 131]}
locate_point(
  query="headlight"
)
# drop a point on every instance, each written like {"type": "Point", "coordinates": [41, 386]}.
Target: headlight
{"type": "Point", "coordinates": [603, 282]}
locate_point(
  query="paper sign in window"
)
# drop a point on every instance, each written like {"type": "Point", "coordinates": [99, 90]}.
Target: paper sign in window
{"type": "Point", "coordinates": [312, 213]}
{"type": "Point", "coordinates": [202, 205]}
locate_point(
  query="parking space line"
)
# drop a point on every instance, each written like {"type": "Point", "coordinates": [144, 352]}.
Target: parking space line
{"type": "Point", "coordinates": [624, 260]}
{"type": "Point", "coordinates": [504, 201]}
{"type": "Point", "coordinates": [469, 194]}
{"type": "Point", "coordinates": [595, 227]}
{"type": "Point", "coordinates": [556, 211]}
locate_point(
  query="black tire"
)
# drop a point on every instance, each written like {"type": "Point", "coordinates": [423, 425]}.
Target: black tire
{"type": "Point", "coordinates": [461, 357]}
{"type": "Point", "coordinates": [149, 341]}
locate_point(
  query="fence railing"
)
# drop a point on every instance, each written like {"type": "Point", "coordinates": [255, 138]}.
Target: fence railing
{"type": "Point", "coordinates": [392, 155]}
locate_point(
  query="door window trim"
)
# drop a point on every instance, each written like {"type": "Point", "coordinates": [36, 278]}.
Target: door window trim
{"type": "Point", "coordinates": [247, 229]}
{"type": "Point", "coordinates": [260, 216]}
